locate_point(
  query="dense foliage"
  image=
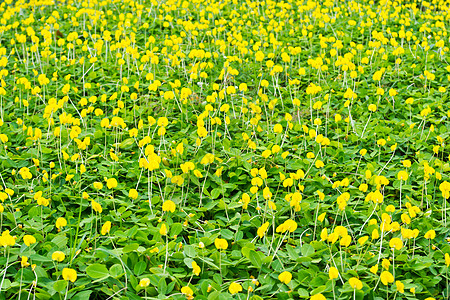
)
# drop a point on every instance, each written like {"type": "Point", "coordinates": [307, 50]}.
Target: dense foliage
{"type": "Point", "coordinates": [224, 149]}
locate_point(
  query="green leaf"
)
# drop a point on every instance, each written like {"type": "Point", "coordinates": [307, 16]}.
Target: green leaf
{"type": "Point", "coordinates": [255, 259]}
{"type": "Point", "coordinates": [162, 286]}
{"type": "Point", "coordinates": [97, 271]}
{"type": "Point", "coordinates": [60, 241]}
{"type": "Point", "coordinates": [303, 293]}
{"type": "Point", "coordinates": [82, 295]}
{"type": "Point", "coordinates": [116, 270]}
{"type": "Point", "coordinates": [130, 248]}
{"type": "Point", "coordinates": [139, 268]}
{"type": "Point", "coordinates": [307, 250]}
{"type": "Point", "coordinates": [214, 295]}
{"type": "Point", "coordinates": [34, 211]}
{"type": "Point", "coordinates": [133, 296]}
{"type": "Point", "coordinates": [46, 150]}
{"type": "Point", "coordinates": [176, 229]}
{"type": "Point", "coordinates": [126, 144]}
{"type": "Point", "coordinates": [60, 286]}
{"type": "Point", "coordinates": [190, 251]}
{"type": "Point", "coordinates": [227, 234]}
{"type": "Point", "coordinates": [37, 257]}
{"type": "Point", "coordinates": [292, 253]}
{"type": "Point", "coordinates": [318, 290]}
{"type": "Point", "coordinates": [188, 262]}
{"type": "Point", "coordinates": [156, 270]}
{"type": "Point", "coordinates": [215, 193]}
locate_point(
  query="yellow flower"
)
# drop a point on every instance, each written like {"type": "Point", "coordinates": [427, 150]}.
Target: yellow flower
{"type": "Point", "coordinates": [430, 234]}
{"type": "Point", "coordinates": [381, 142]}
{"type": "Point", "coordinates": [374, 269]}
{"type": "Point", "coordinates": [402, 175]}
{"type": "Point", "coordinates": [447, 260]}
{"type": "Point", "coordinates": [111, 183]}
{"type": "Point", "coordinates": [25, 173]}
{"type": "Point", "coordinates": [198, 174]}
{"type": "Point", "coordinates": [259, 56]}
{"type": "Point", "coordinates": [218, 172]}
{"type": "Point", "coordinates": [278, 128]}
{"type": "Point", "coordinates": [245, 200]}
{"type": "Point", "coordinates": [29, 239]}
{"type": "Point", "coordinates": [188, 166]}
{"type": "Point", "coordinates": [372, 107]}
{"type": "Point", "coordinates": [362, 240]}
{"type": "Point", "coordinates": [405, 218]}
{"type": "Point", "coordinates": [386, 277]}
{"type": "Point", "coordinates": [266, 153]}
{"type": "Point", "coordinates": [169, 205]}
{"type": "Point", "coordinates": [144, 282]}
{"type": "Point", "coordinates": [333, 273]}
{"type": "Point", "coordinates": [163, 121]}
{"type": "Point", "coordinates": [341, 231]}
{"type": "Point", "coordinates": [444, 187]}
{"type": "Point", "coordinates": [400, 286]}
{"type": "Point", "coordinates": [363, 187]}
{"type": "Point", "coordinates": [355, 283]}
{"type": "Point", "coordinates": [321, 217]}
{"type": "Point", "coordinates": [289, 224]}
{"type": "Point", "coordinates": [96, 206]}
{"type": "Point", "coordinates": [262, 230]}
{"type": "Point", "coordinates": [390, 208]}
{"type": "Point", "coordinates": [345, 241]}
{"type": "Point", "coordinates": [310, 155]}
{"type": "Point", "coordinates": [97, 185]}
{"type": "Point", "coordinates": [187, 291]}
{"type": "Point", "coordinates": [163, 229]}
{"type": "Point", "coordinates": [375, 234]}
{"type": "Point", "coordinates": [285, 277]}
{"type": "Point", "coordinates": [396, 243]}
{"type": "Point", "coordinates": [61, 222]}
{"type": "Point", "coordinates": [333, 237]}
{"type": "Point", "coordinates": [276, 149]}
{"type": "Point", "coordinates": [196, 268]}
{"type": "Point", "coordinates": [106, 227]}
{"type": "Point", "coordinates": [406, 163]}
{"type": "Point", "coordinates": [133, 194]}
{"type": "Point", "coordinates": [267, 194]}
{"type": "Point", "coordinates": [272, 205]}
{"type": "Point", "coordinates": [69, 274]}
{"type": "Point", "coordinates": [385, 264]}
{"type": "Point", "coordinates": [318, 297]}
{"type": "Point", "coordinates": [235, 288]}
{"type": "Point", "coordinates": [24, 262]}
{"type": "Point", "coordinates": [58, 256]}
{"type": "Point", "coordinates": [319, 164]}
{"type": "Point", "coordinates": [221, 243]}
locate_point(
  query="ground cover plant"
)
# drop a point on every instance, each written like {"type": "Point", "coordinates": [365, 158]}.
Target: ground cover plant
{"type": "Point", "coordinates": [224, 149]}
